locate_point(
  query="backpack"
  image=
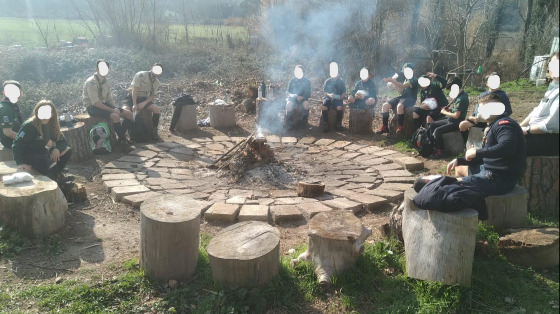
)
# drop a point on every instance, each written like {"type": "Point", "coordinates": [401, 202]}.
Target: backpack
{"type": "Point", "coordinates": [100, 139]}
{"type": "Point", "coordinates": [421, 142]}
{"type": "Point", "coordinates": [138, 130]}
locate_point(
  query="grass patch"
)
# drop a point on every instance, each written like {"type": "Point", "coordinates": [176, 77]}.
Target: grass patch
{"type": "Point", "coordinates": [546, 218]}
{"type": "Point", "coordinates": [11, 242]}
{"type": "Point", "coordinates": [403, 146]}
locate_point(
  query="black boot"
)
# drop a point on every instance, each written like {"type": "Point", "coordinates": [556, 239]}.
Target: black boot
{"type": "Point", "coordinates": [304, 119]}
{"type": "Point", "coordinates": [290, 120]}
{"type": "Point", "coordinates": [155, 123]}
{"type": "Point", "coordinates": [325, 117]}
{"type": "Point", "coordinates": [339, 114]}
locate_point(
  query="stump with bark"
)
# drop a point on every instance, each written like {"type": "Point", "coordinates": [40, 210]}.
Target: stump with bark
{"type": "Point", "coordinates": [541, 180]}
{"type": "Point", "coordinates": [531, 247]}
{"type": "Point", "coordinates": [331, 117]}
{"type": "Point", "coordinates": [245, 254]}
{"type": "Point", "coordinates": [74, 192]}
{"type": "Point", "coordinates": [35, 209]}
{"type": "Point", "coordinates": [360, 121]}
{"type": "Point", "coordinates": [169, 237]}
{"type": "Point", "coordinates": [408, 126]}
{"type": "Point", "coordinates": [310, 189]}
{"type": "Point", "coordinates": [336, 240]}
{"type": "Point", "coordinates": [509, 210]}
{"type": "Point", "coordinates": [77, 137]}
{"type": "Point", "coordinates": [439, 246]}
{"type": "Point", "coordinates": [222, 116]}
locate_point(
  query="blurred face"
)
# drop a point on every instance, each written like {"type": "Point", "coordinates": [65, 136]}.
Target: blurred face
{"type": "Point", "coordinates": [454, 91]}
{"type": "Point", "coordinates": [408, 73]}
{"type": "Point", "coordinates": [333, 69]}
{"type": "Point", "coordinates": [103, 69]}
{"type": "Point", "coordinates": [44, 114]}
{"type": "Point", "coordinates": [157, 70]}
{"type": "Point", "coordinates": [298, 73]}
{"type": "Point", "coordinates": [12, 92]}
{"type": "Point", "coordinates": [493, 82]}
{"type": "Point", "coordinates": [424, 82]}
{"type": "Point", "coordinates": [488, 110]}
{"type": "Point", "coordinates": [364, 74]}
{"type": "Point", "coordinates": [554, 67]}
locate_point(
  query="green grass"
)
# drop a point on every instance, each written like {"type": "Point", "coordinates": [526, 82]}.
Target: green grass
{"type": "Point", "coordinates": [403, 147]}
{"type": "Point", "coordinates": [376, 284]}
{"type": "Point", "coordinates": [11, 242]}
{"type": "Point", "coordinates": [26, 33]}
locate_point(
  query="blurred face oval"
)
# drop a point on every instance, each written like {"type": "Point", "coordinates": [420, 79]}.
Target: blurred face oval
{"type": "Point", "coordinates": [364, 74]}
{"type": "Point", "coordinates": [494, 82]}
{"type": "Point", "coordinates": [103, 69]}
{"type": "Point", "coordinates": [554, 67]}
{"type": "Point", "coordinates": [12, 92]}
{"type": "Point", "coordinates": [491, 109]}
{"type": "Point", "coordinates": [157, 70]}
{"type": "Point", "coordinates": [408, 73]}
{"type": "Point", "coordinates": [424, 82]}
{"type": "Point", "coordinates": [334, 69]}
{"type": "Point", "coordinates": [298, 73]}
{"type": "Point", "coordinates": [44, 113]}
{"type": "Point", "coordinates": [454, 91]}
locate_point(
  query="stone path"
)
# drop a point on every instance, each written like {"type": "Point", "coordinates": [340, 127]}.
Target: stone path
{"type": "Point", "coordinates": [358, 177]}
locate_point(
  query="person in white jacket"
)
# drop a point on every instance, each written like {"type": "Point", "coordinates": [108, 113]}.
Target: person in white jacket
{"type": "Point", "coordinates": [541, 125]}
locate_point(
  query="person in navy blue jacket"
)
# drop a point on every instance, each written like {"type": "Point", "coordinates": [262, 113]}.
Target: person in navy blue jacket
{"type": "Point", "coordinates": [495, 168]}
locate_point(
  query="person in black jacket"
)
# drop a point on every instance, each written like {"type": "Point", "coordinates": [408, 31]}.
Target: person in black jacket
{"type": "Point", "coordinates": [430, 89]}
{"type": "Point", "coordinates": [495, 168]}
{"type": "Point", "coordinates": [335, 91]}
{"type": "Point", "coordinates": [40, 145]}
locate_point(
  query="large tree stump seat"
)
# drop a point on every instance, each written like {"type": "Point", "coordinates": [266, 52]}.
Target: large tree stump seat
{"type": "Point", "coordinates": [536, 248]}
{"type": "Point", "coordinates": [245, 254]}
{"type": "Point", "coordinates": [77, 137]}
{"type": "Point", "coordinates": [439, 246]}
{"type": "Point", "coordinates": [331, 118]}
{"type": "Point", "coordinates": [508, 210]}
{"type": "Point", "coordinates": [91, 121]}
{"type": "Point", "coordinates": [35, 209]}
{"type": "Point", "coordinates": [336, 240]}
{"type": "Point", "coordinates": [453, 143]}
{"type": "Point", "coordinates": [408, 126]}
{"type": "Point", "coordinates": [222, 116]}
{"type": "Point", "coordinates": [360, 120]}
{"type": "Point", "coordinates": [541, 180]}
{"type": "Point", "coordinates": [169, 237]}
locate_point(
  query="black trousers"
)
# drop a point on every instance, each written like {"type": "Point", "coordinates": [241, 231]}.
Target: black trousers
{"type": "Point", "coordinates": [438, 128]}
{"type": "Point", "coordinates": [6, 141]}
{"type": "Point", "coordinates": [542, 144]}
{"type": "Point", "coordinates": [40, 162]}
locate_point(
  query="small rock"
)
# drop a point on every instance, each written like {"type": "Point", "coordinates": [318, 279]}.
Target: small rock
{"type": "Point", "coordinates": [173, 284]}
{"type": "Point", "coordinates": [58, 280]}
{"type": "Point", "coordinates": [291, 251]}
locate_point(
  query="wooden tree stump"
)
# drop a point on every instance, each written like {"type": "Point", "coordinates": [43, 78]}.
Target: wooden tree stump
{"type": "Point", "coordinates": [245, 254]}
{"type": "Point", "coordinates": [336, 240]}
{"type": "Point", "coordinates": [222, 116]}
{"type": "Point", "coordinates": [6, 154]}
{"type": "Point", "coordinates": [310, 189]}
{"type": "Point", "coordinates": [453, 143]}
{"type": "Point", "coordinates": [532, 248]}
{"type": "Point", "coordinates": [78, 140]}
{"type": "Point", "coordinates": [509, 210]}
{"type": "Point", "coordinates": [360, 121]}
{"type": "Point", "coordinates": [408, 125]}
{"type": "Point", "coordinates": [331, 117]}
{"type": "Point", "coordinates": [146, 116]}
{"type": "Point", "coordinates": [475, 137]}
{"type": "Point", "coordinates": [438, 246]}
{"type": "Point", "coordinates": [541, 180]}
{"type": "Point", "coordinates": [74, 192]}
{"type": "Point", "coordinates": [187, 119]}
{"type": "Point", "coordinates": [35, 209]}
{"type": "Point", "coordinates": [91, 121]}
{"type": "Point", "coordinates": [169, 237]}
{"type": "Point", "coordinates": [248, 105]}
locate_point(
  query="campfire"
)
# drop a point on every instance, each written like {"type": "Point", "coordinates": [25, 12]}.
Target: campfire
{"type": "Point", "coordinates": [247, 154]}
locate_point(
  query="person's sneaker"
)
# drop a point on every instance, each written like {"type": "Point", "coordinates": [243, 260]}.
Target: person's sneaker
{"type": "Point", "coordinates": [420, 182]}
{"type": "Point", "coordinates": [383, 129]}
{"type": "Point", "coordinates": [436, 155]}
{"type": "Point", "coordinates": [399, 130]}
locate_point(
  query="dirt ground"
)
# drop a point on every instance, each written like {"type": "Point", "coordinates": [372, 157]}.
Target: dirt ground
{"type": "Point", "coordinates": [102, 233]}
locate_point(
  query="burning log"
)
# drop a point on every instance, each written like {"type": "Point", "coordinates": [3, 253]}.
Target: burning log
{"type": "Point", "coordinates": [251, 151]}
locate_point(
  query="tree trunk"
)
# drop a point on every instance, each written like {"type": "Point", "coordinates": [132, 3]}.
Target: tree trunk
{"type": "Point", "coordinates": [541, 179]}
{"type": "Point", "coordinates": [169, 237]}
{"type": "Point", "coordinates": [222, 116]}
{"type": "Point", "coordinates": [245, 254]}
{"type": "Point", "coordinates": [336, 240]}
{"type": "Point", "coordinates": [78, 140]}
{"type": "Point", "coordinates": [311, 189]}
{"type": "Point", "coordinates": [360, 121]}
{"type": "Point", "coordinates": [34, 209]}
{"type": "Point", "coordinates": [509, 210]}
{"type": "Point", "coordinates": [438, 246]}
{"type": "Point", "coordinates": [536, 248]}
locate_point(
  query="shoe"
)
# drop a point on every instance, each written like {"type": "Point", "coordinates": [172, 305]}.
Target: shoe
{"type": "Point", "coordinates": [399, 130]}
{"type": "Point", "coordinates": [420, 182]}
{"type": "Point", "coordinates": [436, 155]}
{"type": "Point", "coordinates": [383, 129]}
{"type": "Point", "coordinates": [124, 145]}
{"type": "Point", "coordinates": [65, 178]}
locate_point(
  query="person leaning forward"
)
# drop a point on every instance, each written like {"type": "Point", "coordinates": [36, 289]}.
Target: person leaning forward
{"type": "Point", "coordinates": [142, 93]}
{"type": "Point", "coordinates": [10, 115]}
{"type": "Point", "coordinates": [100, 103]}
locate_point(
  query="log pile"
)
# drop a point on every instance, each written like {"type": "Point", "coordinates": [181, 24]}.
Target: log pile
{"type": "Point", "coordinates": [251, 152]}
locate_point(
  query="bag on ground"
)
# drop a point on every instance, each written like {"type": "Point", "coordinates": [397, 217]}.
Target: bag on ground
{"type": "Point", "coordinates": [100, 139]}
{"type": "Point", "coordinates": [421, 142]}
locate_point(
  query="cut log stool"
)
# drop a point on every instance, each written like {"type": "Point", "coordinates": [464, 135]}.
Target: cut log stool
{"type": "Point", "coordinates": [438, 246]}
{"type": "Point", "coordinates": [531, 248]}
{"type": "Point", "coordinates": [360, 121]}
{"type": "Point", "coordinates": [222, 116]}
{"type": "Point", "coordinates": [169, 237]}
{"type": "Point", "coordinates": [331, 118]}
{"type": "Point", "coordinates": [310, 189]}
{"type": "Point", "coordinates": [187, 119]}
{"type": "Point", "coordinates": [453, 143]}
{"type": "Point", "coordinates": [408, 125]}
{"type": "Point", "coordinates": [77, 137]}
{"type": "Point", "coordinates": [245, 254]}
{"type": "Point", "coordinates": [509, 210]}
{"type": "Point", "coordinates": [336, 240]}
{"type": "Point", "coordinates": [475, 137]}
{"type": "Point", "coordinates": [35, 209]}
{"type": "Point", "coordinates": [541, 180]}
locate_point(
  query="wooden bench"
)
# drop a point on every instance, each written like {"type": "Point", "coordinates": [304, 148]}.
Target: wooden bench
{"type": "Point", "coordinates": [438, 246]}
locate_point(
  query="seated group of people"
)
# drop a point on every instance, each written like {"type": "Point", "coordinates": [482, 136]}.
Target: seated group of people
{"type": "Point", "coordinates": [38, 143]}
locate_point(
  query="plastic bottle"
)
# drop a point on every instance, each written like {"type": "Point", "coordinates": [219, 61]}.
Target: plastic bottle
{"type": "Point", "coordinates": [227, 97]}
{"type": "Point", "coordinates": [259, 95]}
{"type": "Point", "coordinates": [67, 117]}
{"type": "Point", "coordinates": [479, 70]}
{"type": "Point", "coordinates": [270, 92]}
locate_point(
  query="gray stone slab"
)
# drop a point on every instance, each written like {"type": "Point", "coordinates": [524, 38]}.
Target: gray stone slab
{"type": "Point", "coordinates": [114, 183]}
{"type": "Point", "coordinates": [143, 153]}
{"type": "Point", "coordinates": [342, 203]}
{"type": "Point", "coordinates": [410, 163]}
{"type": "Point", "coordinates": [253, 213]}
{"type": "Point", "coordinates": [370, 150]}
{"type": "Point", "coordinates": [265, 201]}
{"type": "Point", "coordinates": [354, 147]}
{"type": "Point", "coordinates": [133, 159]}
{"type": "Point", "coordinates": [236, 200]}
{"type": "Point", "coordinates": [221, 138]}
{"type": "Point", "coordinates": [350, 155]}
{"type": "Point", "coordinates": [395, 173]}
{"type": "Point", "coordinates": [336, 153]}
{"type": "Point", "coordinates": [289, 140]}
{"type": "Point", "coordinates": [122, 165]}
{"type": "Point", "coordinates": [385, 152]}
{"type": "Point", "coordinates": [293, 200]}
{"type": "Point", "coordinates": [273, 139]}
{"type": "Point", "coordinates": [395, 186]}
{"type": "Point", "coordinates": [118, 176]}
{"type": "Point", "coordinates": [285, 213]}
{"type": "Point", "coordinates": [307, 140]}
{"type": "Point", "coordinates": [222, 212]}
{"type": "Point", "coordinates": [368, 160]}
{"type": "Point", "coordinates": [340, 144]}
{"type": "Point", "coordinates": [282, 193]}
{"type": "Point", "coordinates": [324, 142]}
{"type": "Point", "coordinates": [240, 193]}
{"type": "Point", "coordinates": [121, 191]}
{"type": "Point", "coordinates": [219, 195]}
{"type": "Point", "coordinates": [202, 139]}
{"type": "Point", "coordinates": [387, 167]}
{"type": "Point", "coordinates": [391, 195]}
{"type": "Point", "coordinates": [363, 179]}
{"type": "Point", "coordinates": [311, 209]}
{"type": "Point", "coordinates": [137, 199]}
{"type": "Point", "coordinates": [160, 181]}
{"type": "Point", "coordinates": [370, 202]}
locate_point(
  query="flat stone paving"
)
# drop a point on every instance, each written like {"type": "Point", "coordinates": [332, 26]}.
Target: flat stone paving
{"type": "Point", "coordinates": [358, 177]}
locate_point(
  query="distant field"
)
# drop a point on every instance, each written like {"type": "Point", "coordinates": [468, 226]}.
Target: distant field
{"type": "Point", "coordinates": [25, 32]}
